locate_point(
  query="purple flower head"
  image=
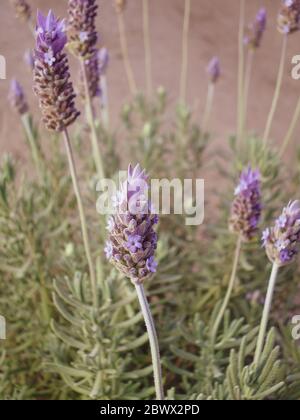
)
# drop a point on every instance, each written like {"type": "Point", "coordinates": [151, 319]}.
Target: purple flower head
{"type": "Point", "coordinates": [92, 70]}
{"type": "Point", "coordinates": [82, 34]}
{"type": "Point", "coordinates": [151, 265]}
{"type": "Point", "coordinates": [288, 20]}
{"type": "Point", "coordinates": [51, 37]}
{"type": "Point", "coordinates": [214, 69]}
{"type": "Point", "coordinates": [131, 228]}
{"type": "Point", "coordinates": [257, 29]}
{"type": "Point", "coordinates": [283, 241]}
{"type": "Point", "coordinates": [246, 208]}
{"type": "Point", "coordinates": [103, 57]}
{"type": "Point", "coordinates": [17, 98]}
{"type": "Point", "coordinates": [51, 74]}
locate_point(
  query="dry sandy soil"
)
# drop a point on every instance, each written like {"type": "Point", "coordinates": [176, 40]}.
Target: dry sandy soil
{"type": "Point", "coordinates": [214, 26]}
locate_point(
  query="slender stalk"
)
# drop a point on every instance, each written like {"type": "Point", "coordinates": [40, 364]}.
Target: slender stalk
{"type": "Point", "coordinates": [125, 53]}
{"type": "Point", "coordinates": [250, 59]}
{"type": "Point", "coordinates": [291, 130]}
{"type": "Point", "coordinates": [35, 152]}
{"type": "Point", "coordinates": [277, 91]}
{"type": "Point", "coordinates": [147, 43]}
{"type": "Point", "coordinates": [153, 341]}
{"type": "Point", "coordinates": [208, 106]}
{"type": "Point", "coordinates": [229, 290]}
{"type": "Point", "coordinates": [240, 111]}
{"type": "Point", "coordinates": [266, 313]}
{"type": "Point", "coordinates": [185, 45]}
{"type": "Point", "coordinates": [90, 118]}
{"type": "Point", "coordinates": [82, 216]}
{"type": "Point", "coordinates": [104, 102]}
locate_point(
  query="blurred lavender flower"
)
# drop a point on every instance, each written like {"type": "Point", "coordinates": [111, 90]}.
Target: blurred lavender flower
{"type": "Point", "coordinates": [289, 17]}
{"type": "Point", "coordinates": [92, 69]}
{"type": "Point", "coordinates": [22, 8]}
{"type": "Point", "coordinates": [132, 240]}
{"type": "Point", "coordinates": [82, 32]}
{"type": "Point", "coordinates": [51, 74]}
{"type": "Point", "coordinates": [247, 207]}
{"type": "Point", "coordinates": [282, 242]}
{"type": "Point", "coordinates": [17, 98]}
{"type": "Point", "coordinates": [29, 59]}
{"type": "Point", "coordinates": [214, 69]}
{"type": "Point", "coordinates": [257, 29]}
{"type": "Point", "coordinates": [103, 57]}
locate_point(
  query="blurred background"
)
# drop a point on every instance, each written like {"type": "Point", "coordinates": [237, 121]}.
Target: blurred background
{"type": "Point", "coordinates": [213, 31]}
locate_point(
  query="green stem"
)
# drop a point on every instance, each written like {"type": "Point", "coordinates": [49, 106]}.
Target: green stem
{"type": "Point", "coordinates": [241, 66]}
{"type": "Point", "coordinates": [250, 57]}
{"type": "Point", "coordinates": [104, 102]}
{"type": "Point", "coordinates": [208, 106]}
{"type": "Point", "coordinates": [90, 117]}
{"type": "Point", "coordinates": [152, 339]}
{"type": "Point", "coordinates": [291, 130]}
{"type": "Point", "coordinates": [266, 314]}
{"type": "Point", "coordinates": [147, 43]}
{"type": "Point", "coordinates": [229, 290]}
{"type": "Point", "coordinates": [125, 53]}
{"type": "Point", "coordinates": [82, 217]}
{"type": "Point", "coordinates": [277, 91]}
{"type": "Point", "coordinates": [35, 152]}
{"type": "Point", "coordinates": [185, 50]}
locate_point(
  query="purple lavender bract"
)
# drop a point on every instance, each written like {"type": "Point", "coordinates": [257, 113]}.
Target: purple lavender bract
{"type": "Point", "coordinates": [246, 208]}
{"type": "Point", "coordinates": [289, 17]}
{"type": "Point", "coordinates": [132, 240]}
{"type": "Point", "coordinates": [17, 98]}
{"type": "Point", "coordinates": [257, 29]}
{"type": "Point", "coordinates": [214, 69]}
{"type": "Point", "coordinates": [51, 74]}
{"type": "Point", "coordinates": [282, 242]}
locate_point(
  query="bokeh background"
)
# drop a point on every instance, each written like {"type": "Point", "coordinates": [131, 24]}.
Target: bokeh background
{"type": "Point", "coordinates": [213, 31]}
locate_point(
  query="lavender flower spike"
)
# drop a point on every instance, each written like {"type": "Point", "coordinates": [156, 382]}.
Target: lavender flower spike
{"type": "Point", "coordinates": [51, 74]}
{"type": "Point", "coordinates": [17, 98]}
{"type": "Point", "coordinates": [103, 57]}
{"type": "Point", "coordinates": [214, 69]}
{"type": "Point", "coordinates": [282, 242]}
{"type": "Point", "coordinates": [92, 68]}
{"type": "Point", "coordinates": [288, 20]}
{"type": "Point", "coordinates": [247, 207]}
{"type": "Point", "coordinates": [132, 240]}
{"type": "Point", "coordinates": [22, 8]}
{"type": "Point", "coordinates": [82, 32]}
{"type": "Point", "coordinates": [257, 29]}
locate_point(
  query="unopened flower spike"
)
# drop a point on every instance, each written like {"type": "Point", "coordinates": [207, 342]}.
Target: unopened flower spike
{"type": "Point", "coordinates": [51, 74]}
{"type": "Point", "coordinates": [288, 20]}
{"type": "Point", "coordinates": [246, 208]}
{"type": "Point", "coordinates": [23, 9]}
{"type": "Point", "coordinates": [282, 241]}
{"type": "Point", "coordinates": [17, 97]}
{"type": "Point", "coordinates": [256, 29]}
{"type": "Point", "coordinates": [132, 239]}
{"type": "Point", "coordinates": [82, 34]}
{"type": "Point", "coordinates": [214, 69]}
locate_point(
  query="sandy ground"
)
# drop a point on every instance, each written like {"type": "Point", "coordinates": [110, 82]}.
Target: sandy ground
{"type": "Point", "coordinates": [213, 31]}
